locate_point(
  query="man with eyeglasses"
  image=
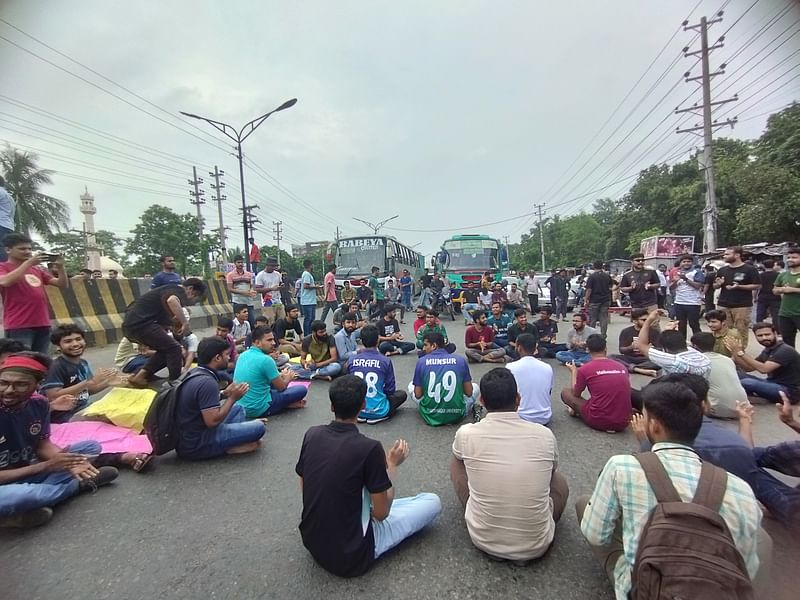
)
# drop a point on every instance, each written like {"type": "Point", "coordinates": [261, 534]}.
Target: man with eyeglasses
{"type": "Point", "coordinates": [641, 284]}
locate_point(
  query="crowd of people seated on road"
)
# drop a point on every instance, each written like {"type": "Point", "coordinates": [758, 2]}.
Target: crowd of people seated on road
{"type": "Point", "coordinates": [504, 464]}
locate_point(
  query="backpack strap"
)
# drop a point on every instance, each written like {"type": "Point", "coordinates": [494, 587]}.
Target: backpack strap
{"type": "Point", "coordinates": [657, 477]}
{"type": "Point", "coordinates": [711, 487]}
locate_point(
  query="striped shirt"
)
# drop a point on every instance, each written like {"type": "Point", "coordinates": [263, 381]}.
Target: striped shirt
{"type": "Point", "coordinates": [622, 491]}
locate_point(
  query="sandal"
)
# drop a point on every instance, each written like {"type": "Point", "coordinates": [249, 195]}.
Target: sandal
{"type": "Point", "coordinates": [141, 462]}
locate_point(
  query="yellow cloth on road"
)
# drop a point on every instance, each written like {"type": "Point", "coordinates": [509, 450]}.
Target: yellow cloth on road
{"type": "Point", "coordinates": [124, 407]}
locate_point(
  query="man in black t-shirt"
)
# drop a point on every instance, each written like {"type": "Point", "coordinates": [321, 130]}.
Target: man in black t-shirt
{"type": "Point", "coordinates": [288, 333]}
{"type": "Point", "coordinates": [344, 528]}
{"type": "Point", "coordinates": [736, 282]}
{"type": "Point", "coordinates": [390, 337]}
{"type": "Point", "coordinates": [470, 302]}
{"type": "Point", "coordinates": [708, 288]}
{"type": "Point", "coordinates": [547, 330]}
{"type": "Point", "coordinates": [778, 361]}
{"type": "Point", "coordinates": [598, 297]}
{"type": "Point", "coordinates": [630, 354]}
{"type": "Point", "coordinates": [641, 284]}
{"type": "Point", "coordinates": [148, 319]}
{"type": "Point", "coordinates": [768, 303]}
{"type": "Point", "coordinates": [519, 327]}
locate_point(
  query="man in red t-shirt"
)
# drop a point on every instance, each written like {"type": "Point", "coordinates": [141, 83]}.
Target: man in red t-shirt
{"type": "Point", "coordinates": [479, 340]}
{"type": "Point", "coordinates": [329, 289]}
{"type": "Point", "coordinates": [26, 317]}
{"type": "Point", "coordinates": [609, 405]}
{"type": "Point", "coordinates": [255, 255]}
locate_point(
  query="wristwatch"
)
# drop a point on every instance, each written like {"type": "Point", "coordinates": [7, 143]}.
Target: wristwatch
{"type": "Point", "coordinates": [740, 353]}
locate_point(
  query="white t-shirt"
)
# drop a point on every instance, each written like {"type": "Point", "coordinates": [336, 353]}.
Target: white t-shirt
{"type": "Point", "coordinates": [268, 280]}
{"type": "Point", "coordinates": [534, 383]}
{"type": "Point", "coordinates": [685, 294]}
{"type": "Point", "coordinates": [509, 464]}
{"type": "Point", "coordinates": [724, 387]}
{"type": "Point", "coordinates": [531, 286]}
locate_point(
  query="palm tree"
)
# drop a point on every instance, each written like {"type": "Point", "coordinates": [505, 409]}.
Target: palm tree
{"type": "Point", "coordinates": [36, 212]}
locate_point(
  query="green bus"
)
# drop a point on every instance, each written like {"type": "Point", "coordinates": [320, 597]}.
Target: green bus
{"type": "Point", "coordinates": [465, 258]}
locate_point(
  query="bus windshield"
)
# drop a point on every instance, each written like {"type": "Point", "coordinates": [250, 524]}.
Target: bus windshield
{"type": "Point", "coordinates": [471, 255]}
{"type": "Point", "coordinates": [358, 256]}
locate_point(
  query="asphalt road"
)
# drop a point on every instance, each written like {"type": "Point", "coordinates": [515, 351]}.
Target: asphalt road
{"type": "Point", "coordinates": [227, 528]}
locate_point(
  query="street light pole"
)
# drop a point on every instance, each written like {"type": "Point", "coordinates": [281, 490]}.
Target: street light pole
{"type": "Point", "coordinates": [375, 228]}
{"type": "Point", "coordinates": [240, 136]}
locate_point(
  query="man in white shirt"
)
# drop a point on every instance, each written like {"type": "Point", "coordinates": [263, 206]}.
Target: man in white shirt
{"type": "Point", "coordinates": [532, 288]}
{"type": "Point", "coordinates": [268, 284]}
{"type": "Point", "coordinates": [504, 473]}
{"type": "Point", "coordinates": [686, 285]}
{"type": "Point", "coordinates": [725, 391]}
{"type": "Point", "coordinates": [534, 382]}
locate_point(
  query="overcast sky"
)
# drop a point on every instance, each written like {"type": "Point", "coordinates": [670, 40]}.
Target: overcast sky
{"type": "Point", "coordinates": [450, 114]}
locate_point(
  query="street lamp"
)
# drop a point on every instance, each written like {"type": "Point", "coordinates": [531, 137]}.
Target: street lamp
{"type": "Point", "coordinates": [374, 227]}
{"type": "Point", "coordinates": [239, 137]}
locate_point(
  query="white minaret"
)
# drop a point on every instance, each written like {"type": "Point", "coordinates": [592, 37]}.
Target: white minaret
{"type": "Point", "coordinates": [92, 251]}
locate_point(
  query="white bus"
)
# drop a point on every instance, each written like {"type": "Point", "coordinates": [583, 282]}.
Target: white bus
{"type": "Point", "coordinates": [354, 258]}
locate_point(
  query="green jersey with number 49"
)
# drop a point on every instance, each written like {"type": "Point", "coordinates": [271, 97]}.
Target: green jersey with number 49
{"type": "Point", "coordinates": [441, 377]}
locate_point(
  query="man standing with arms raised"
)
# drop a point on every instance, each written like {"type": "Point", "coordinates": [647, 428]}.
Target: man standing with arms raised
{"type": "Point", "coordinates": [26, 317]}
{"type": "Point", "coordinates": [736, 282]}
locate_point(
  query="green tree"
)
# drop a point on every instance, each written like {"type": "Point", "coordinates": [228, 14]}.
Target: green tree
{"type": "Point", "coordinates": [36, 212]}
{"type": "Point", "coordinates": [771, 211]}
{"type": "Point", "coordinates": [635, 239]}
{"type": "Point", "coordinates": [779, 145]}
{"type": "Point", "coordinates": [72, 246]}
{"type": "Point", "coordinates": [163, 232]}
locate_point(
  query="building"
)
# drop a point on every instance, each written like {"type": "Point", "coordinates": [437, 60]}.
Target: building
{"type": "Point", "coordinates": [301, 251]}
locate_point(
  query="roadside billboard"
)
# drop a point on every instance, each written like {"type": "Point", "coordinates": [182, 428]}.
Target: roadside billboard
{"type": "Point", "coordinates": [667, 245]}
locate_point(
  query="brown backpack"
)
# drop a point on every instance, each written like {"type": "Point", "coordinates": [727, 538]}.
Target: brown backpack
{"type": "Point", "coordinates": [686, 551]}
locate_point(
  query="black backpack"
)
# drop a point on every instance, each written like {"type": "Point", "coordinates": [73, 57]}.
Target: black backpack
{"type": "Point", "coordinates": [160, 423]}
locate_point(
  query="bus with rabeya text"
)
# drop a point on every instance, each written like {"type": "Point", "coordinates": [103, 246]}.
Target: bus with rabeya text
{"type": "Point", "coordinates": [466, 257]}
{"type": "Point", "coordinates": [355, 256]}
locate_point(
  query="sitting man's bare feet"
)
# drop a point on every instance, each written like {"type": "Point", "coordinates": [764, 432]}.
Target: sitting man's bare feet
{"type": "Point", "coordinates": [298, 404]}
{"type": "Point", "coordinates": [244, 448]}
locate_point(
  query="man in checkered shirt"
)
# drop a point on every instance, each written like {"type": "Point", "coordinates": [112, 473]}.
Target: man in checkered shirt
{"type": "Point", "coordinates": [613, 518]}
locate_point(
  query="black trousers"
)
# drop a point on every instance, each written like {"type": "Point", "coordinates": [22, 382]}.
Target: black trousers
{"type": "Point", "coordinates": [788, 327]}
{"type": "Point", "coordinates": [168, 351]}
{"type": "Point", "coordinates": [687, 313]}
{"type": "Point", "coordinates": [770, 307]}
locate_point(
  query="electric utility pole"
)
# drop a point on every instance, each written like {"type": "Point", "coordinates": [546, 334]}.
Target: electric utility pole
{"type": "Point", "coordinates": [249, 220]}
{"type": "Point", "coordinates": [710, 212]}
{"type": "Point", "coordinates": [218, 198]}
{"type": "Point", "coordinates": [197, 199]}
{"type": "Point", "coordinates": [277, 237]}
{"type": "Point", "coordinates": [539, 208]}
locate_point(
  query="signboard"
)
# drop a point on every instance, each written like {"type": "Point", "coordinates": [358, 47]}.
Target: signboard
{"type": "Point", "coordinates": [667, 246]}
{"type": "Point", "coordinates": [359, 242]}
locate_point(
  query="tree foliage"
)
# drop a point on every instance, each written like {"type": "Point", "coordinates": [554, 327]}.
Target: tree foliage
{"type": "Point", "coordinates": [72, 246]}
{"type": "Point", "coordinates": [36, 212]}
{"type": "Point", "coordinates": [758, 199]}
{"type": "Point", "coordinates": [163, 232]}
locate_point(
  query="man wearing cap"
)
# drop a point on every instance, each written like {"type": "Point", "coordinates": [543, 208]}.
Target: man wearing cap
{"type": "Point", "coordinates": [35, 474]}
{"type": "Point", "coordinates": [269, 283]}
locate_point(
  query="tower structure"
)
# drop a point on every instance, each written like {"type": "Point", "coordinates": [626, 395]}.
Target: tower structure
{"type": "Point", "coordinates": [92, 251]}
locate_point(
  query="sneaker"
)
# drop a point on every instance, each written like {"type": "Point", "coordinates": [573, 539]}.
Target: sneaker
{"type": "Point", "coordinates": [379, 420]}
{"type": "Point", "coordinates": [29, 519]}
{"type": "Point", "coordinates": [361, 420]}
{"type": "Point", "coordinates": [105, 476]}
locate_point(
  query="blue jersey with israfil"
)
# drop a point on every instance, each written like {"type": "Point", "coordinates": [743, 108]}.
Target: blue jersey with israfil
{"type": "Point", "coordinates": [378, 373]}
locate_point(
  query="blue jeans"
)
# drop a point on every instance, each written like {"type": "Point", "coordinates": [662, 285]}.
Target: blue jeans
{"type": "Point", "coordinates": [35, 338]}
{"type": "Point", "coordinates": [406, 299]}
{"type": "Point", "coordinates": [136, 363]}
{"type": "Point", "coordinates": [44, 489]}
{"type": "Point", "coordinates": [280, 400]}
{"type": "Point", "coordinates": [406, 517]}
{"type": "Point", "coordinates": [308, 312]}
{"type": "Point", "coordinates": [425, 298]}
{"type": "Point", "coordinates": [331, 370]}
{"type": "Point", "coordinates": [579, 357]}
{"type": "Point", "coordinates": [233, 431]}
{"type": "Point", "coordinates": [467, 309]}
{"type": "Point", "coordinates": [404, 347]}
{"type": "Point", "coordinates": [763, 388]}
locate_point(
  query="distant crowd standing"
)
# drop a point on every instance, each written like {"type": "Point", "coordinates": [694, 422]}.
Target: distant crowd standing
{"type": "Point", "coordinates": [505, 462]}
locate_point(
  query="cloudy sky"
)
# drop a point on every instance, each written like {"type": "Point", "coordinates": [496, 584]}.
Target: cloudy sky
{"type": "Point", "coordinates": [454, 115]}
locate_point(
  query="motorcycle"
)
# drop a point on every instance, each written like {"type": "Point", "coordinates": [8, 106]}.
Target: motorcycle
{"type": "Point", "coordinates": [443, 303]}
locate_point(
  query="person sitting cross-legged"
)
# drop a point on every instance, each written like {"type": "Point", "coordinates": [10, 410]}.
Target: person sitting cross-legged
{"type": "Point", "coordinates": [504, 473]}
{"type": "Point", "coordinates": [35, 474]}
{"type": "Point", "coordinates": [433, 325]}
{"type": "Point", "coordinates": [547, 330]}
{"type": "Point", "coordinates": [391, 338]}
{"type": "Point", "coordinates": [576, 341]}
{"type": "Point", "coordinates": [534, 379]}
{"type": "Point", "coordinates": [499, 321]}
{"type": "Point", "coordinates": [520, 326]}
{"type": "Point", "coordinates": [288, 333]}
{"type": "Point", "coordinates": [268, 390]}
{"type": "Point", "coordinates": [383, 398]}
{"type": "Point", "coordinates": [629, 353]}
{"type": "Point", "coordinates": [725, 391]}
{"type": "Point", "coordinates": [350, 516]}
{"type": "Point", "coordinates": [613, 519]}
{"type": "Point", "coordinates": [442, 385]}
{"type": "Point", "coordinates": [609, 405]}
{"type": "Point", "coordinates": [479, 341]}
{"type": "Point", "coordinates": [210, 423]}
{"type": "Point", "coordinates": [319, 359]}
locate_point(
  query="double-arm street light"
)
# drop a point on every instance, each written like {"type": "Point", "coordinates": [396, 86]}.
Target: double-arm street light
{"type": "Point", "coordinates": [240, 136]}
{"type": "Point", "coordinates": [375, 228]}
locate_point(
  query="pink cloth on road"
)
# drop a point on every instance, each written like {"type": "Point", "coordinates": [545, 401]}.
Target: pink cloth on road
{"type": "Point", "coordinates": [110, 437]}
{"type": "Point", "coordinates": [305, 384]}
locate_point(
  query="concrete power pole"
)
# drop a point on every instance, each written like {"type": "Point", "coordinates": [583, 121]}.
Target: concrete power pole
{"type": "Point", "coordinates": [197, 199]}
{"type": "Point", "coordinates": [710, 212]}
{"type": "Point", "coordinates": [539, 207]}
{"type": "Point", "coordinates": [218, 198]}
{"type": "Point", "coordinates": [277, 237]}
